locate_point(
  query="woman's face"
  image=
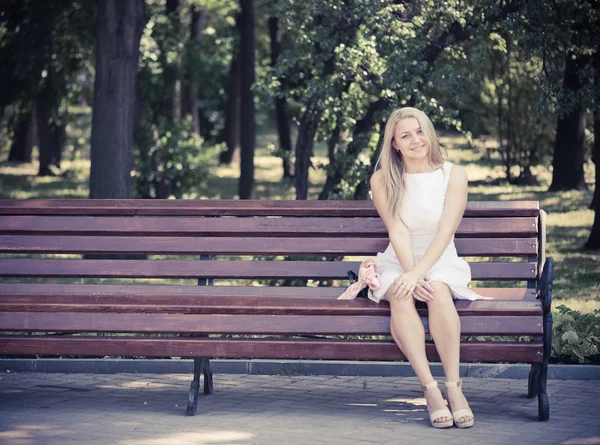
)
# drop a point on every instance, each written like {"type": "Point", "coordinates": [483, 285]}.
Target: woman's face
{"type": "Point", "coordinates": [410, 140]}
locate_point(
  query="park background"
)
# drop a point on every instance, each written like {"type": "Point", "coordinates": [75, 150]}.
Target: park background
{"type": "Point", "coordinates": [285, 99]}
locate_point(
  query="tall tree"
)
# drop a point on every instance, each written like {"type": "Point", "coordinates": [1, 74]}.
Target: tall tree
{"type": "Point", "coordinates": [119, 29]}
{"type": "Point", "coordinates": [354, 60]}
{"type": "Point", "coordinates": [281, 112]}
{"type": "Point", "coordinates": [563, 34]}
{"type": "Point", "coordinates": [189, 92]}
{"type": "Point", "coordinates": [569, 148]}
{"type": "Point", "coordinates": [170, 63]}
{"type": "Point", "coordinates": [24, 137]}
{"type": "Point", "coordinates": [232, 110]}
{"type": "Point", "coordinates": [44, 47]}
{"type": "Point", "coordinates": [248, 121]}
{"type": "Point", "coordinates": [593, 241]}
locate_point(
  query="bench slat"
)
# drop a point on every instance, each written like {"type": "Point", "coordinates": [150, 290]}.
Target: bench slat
{"type": "Point", "coordinates": [247, 324]}
{"type": "Point", "coordinates": [243, 245]}
{"type": "Point", "coordinates": [236, 207]}
{"type": "Point", "coordinates": [246, 305]}
{"type": "Point", "coordinates": [513, 352]}
{"type": "Point", "coordinates": [26, 267]}
{"type": "Point", "coordinates": [55, 291]}
{"type": "Point", "coordinates": [196, 226]}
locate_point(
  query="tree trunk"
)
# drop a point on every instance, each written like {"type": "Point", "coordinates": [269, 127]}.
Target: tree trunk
{"type": "Point", "coordinates": [360, 134]}
{"type": "Point", "coordinates": [248, 124]}
{"type": "Point", "coordinates": [232, 112]}
{"type": "Point", "coordinates": [50, 134]}
{"type": "Point", "coordinates": [22, 145]}
{"type": "Point", "coordinates": [169, 74]}
{"type": "Point", "coordinates": [281, 112]}
{"type": "Point", "coordinates": [593, 241]}
{"type": "Point", "coordinates": [304, 149]}
{"type": "Point", "coordinates": [189, 93]}
{"type": "Point", "coordinates": [569, 148]}
{"type": "Point", "coordinates": [364, 186]}
{"type": "Point", "coordinates": [118, 33]}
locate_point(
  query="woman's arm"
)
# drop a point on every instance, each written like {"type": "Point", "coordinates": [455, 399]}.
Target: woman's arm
{"type": "Point", "coordinates": [397, 230]}
{"type": "Point", "coordinates": [454, 208]}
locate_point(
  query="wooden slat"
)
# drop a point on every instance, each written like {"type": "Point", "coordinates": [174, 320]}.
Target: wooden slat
{"type": "Point", "coordinates": [238, 305]}
{"type": "Point", "coordinates": [199, 226]}
{"type": "Point", "coordinates": [26, 267]}
{"type": "Point", "coordinates": [247, 324]}
{"type": "Point", "coordinates": [527, 352]}
{"type": "Point", "coordinates": [244, 245]}
{"type": "Point", "coordinates": [55, 291]}
{"type": "Point", "coordinates": [236, 208]}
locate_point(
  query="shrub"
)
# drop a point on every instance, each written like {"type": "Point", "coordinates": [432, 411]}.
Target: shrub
{"type": "Point", "coordinates": [575, 336]}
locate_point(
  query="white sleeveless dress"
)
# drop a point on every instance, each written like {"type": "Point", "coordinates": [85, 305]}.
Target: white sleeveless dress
{"type": "Point", "coordinates": [421, 211]}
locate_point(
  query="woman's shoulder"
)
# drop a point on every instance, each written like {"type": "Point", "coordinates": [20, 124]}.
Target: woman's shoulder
{"type": "Point", "coordinates": [376, 179]}
{"type": "Point", "coordinates": [456, 173]}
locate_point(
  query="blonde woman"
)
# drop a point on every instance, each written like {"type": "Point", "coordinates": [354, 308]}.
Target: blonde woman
{"type": "Point", "coordinates": [421, 199]}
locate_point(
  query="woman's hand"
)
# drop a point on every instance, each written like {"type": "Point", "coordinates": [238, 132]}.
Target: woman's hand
{"type": "Point", "coordinates": [404, 286]}
{"type": "Point", "coordinates": [424, 291]}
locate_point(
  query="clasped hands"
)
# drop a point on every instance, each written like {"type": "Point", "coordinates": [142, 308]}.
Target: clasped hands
{"type": "Point", "coordinates": [409, 284]}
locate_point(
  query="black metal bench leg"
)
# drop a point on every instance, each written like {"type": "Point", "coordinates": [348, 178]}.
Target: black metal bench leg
{"type": "Point", "coordinates": [534, 376]}
{"type": "Point", "coordinates": [546, 298]}
{"type": "Point", "coordinates": [201, 366]}
{"type": "Point", "coordinates": [208, 377]}
{"type": "Point", "coordinates": [193, 395]}
{"type": "Point", "coordinates": [543, 403]}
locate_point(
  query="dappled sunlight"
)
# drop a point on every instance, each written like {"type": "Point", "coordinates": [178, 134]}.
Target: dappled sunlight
{"type": "Point", "coordinates": [136, 384]}
{"type": "Point", "coordinates": [30, 433]}
{"type": "Point", "coordinates": [594, 440]}
{"type": "Point", "coordinates": [198, 438]}
{"type": "Point", "coordinates": [361, 404]}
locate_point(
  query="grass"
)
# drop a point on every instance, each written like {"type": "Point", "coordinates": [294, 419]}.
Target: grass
{"type": "Point", "coordinates": [577, 274]}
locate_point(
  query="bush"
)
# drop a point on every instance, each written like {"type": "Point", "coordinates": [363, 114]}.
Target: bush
{"type": "Point", "coordinates": [173, 163]}
{"type": "Point", "coordinates": [575, 336]}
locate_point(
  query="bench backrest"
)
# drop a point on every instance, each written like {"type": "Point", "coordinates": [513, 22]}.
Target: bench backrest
{"type": "Point", "coordinates": [509, 232]}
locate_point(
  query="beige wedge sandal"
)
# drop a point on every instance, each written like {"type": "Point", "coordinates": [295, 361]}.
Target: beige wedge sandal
{"type": "Point", "coordinates": [444, 412]}
{"type": "Point", "coordinates": [459, 414]}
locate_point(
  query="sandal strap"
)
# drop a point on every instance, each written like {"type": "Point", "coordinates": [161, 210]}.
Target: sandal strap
{"type": "Point", "coordinates": [430, 385]}
{"type": "Point", "coordinates": [444, 412]}
{"type": "Point", "coordinates": [459, 383]}
{"type": "Point", "coordinates": [456, 415]}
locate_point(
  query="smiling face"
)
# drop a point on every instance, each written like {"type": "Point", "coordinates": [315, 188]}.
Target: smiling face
{"type": "Point", "coordinates": [410, 140]}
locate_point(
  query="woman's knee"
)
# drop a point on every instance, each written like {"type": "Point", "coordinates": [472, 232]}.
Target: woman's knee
{"type": "Point", "coordinates": [441, 295]}
{"type": "Point", "coordinates": [400, 305]}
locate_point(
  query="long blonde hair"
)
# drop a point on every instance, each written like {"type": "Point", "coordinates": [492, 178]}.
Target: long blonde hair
{"type": "Point", "coordinates": [391, 160]}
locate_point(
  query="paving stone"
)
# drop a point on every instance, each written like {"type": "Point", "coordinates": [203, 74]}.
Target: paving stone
{"type": "Point", "coordinates": [144, 409]}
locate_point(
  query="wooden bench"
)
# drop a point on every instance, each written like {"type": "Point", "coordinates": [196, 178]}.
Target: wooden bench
{"type": "Point", "coordinates": [60, 295]}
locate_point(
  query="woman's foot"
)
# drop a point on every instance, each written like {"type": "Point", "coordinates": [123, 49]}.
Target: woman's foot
{"type": "Point", "coordinates": [439, 415]}
{"type": "Point", "coordinates": [462, 414]}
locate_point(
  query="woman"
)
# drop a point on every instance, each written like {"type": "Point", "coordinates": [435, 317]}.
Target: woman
{"type": "Point", "coordinates": [421, 199]}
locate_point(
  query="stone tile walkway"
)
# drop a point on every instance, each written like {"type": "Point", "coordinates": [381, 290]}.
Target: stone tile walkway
{"type": "Point", "coordinates": [149, 409]}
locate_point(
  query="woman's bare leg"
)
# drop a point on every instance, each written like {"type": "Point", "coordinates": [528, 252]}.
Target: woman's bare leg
{"type": "Point", "coordinates": [444, 325]}
{"type": "Point", "coordinates": [408, 333]}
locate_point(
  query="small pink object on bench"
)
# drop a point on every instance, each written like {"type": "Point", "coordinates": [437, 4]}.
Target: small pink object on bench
{"type": "Point", "coordinates": [367, 277]}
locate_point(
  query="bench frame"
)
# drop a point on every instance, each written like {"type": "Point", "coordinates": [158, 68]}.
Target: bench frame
{"type": "Point", "coordinates": [24, 222]}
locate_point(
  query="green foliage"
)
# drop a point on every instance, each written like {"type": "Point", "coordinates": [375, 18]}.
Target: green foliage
{"type": "Point", "coordinates": [556, 30]}
{"type": "Point", "coordinates": [575, 336]}
{"type": "Point", "coordinates": [354, 61]}
{"type": "Point", "coordinates": [524, 121]}
{"type": "Point", "coordinates": [173, 164]}
{"type": "Point", "coordinates": [44, 45]}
